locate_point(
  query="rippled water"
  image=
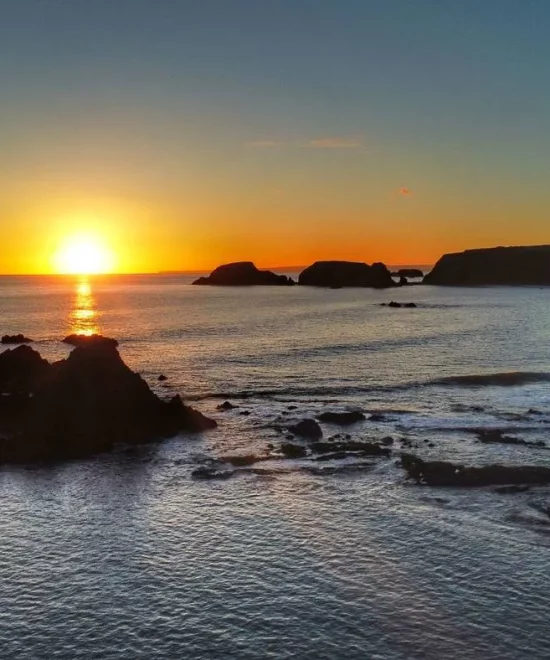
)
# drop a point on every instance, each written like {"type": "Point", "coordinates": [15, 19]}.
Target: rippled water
{"type": "Point", "coordinates": [127, 556]}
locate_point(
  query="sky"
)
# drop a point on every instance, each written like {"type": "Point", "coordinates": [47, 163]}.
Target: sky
{"type": "Point", "coordinates": [181, 134]}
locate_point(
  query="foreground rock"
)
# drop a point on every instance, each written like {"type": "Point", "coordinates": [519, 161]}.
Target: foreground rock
{"type": "Point", "coordinates": [15, 339]}
{"type": "Point", "coordinates": [500, 265]}
{"type": "Point", "coordinates": [82, 406]}
{"type": "Point", "coordinates": [442, 473]}
{"type": "Point", "coordinates": [342, 418]}
{"type": "Point", "coordinates": [244, 273]}
{"type": "Point", "coordinates": [338, 274]}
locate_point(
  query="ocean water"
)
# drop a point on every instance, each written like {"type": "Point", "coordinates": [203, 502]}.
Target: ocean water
{"type": "Point", "coordinates": [128, 556]}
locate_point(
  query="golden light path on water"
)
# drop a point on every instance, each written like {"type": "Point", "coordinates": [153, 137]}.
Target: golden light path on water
{"type": "Point", "coordinates": [83, 316]}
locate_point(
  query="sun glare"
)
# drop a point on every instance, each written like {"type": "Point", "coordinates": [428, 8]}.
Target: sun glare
{"type": "Point", "coordinates": [83, 255]}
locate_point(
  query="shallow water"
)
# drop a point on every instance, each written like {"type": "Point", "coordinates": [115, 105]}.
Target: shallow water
{"type": "Point", "coordinates": [127, 556]}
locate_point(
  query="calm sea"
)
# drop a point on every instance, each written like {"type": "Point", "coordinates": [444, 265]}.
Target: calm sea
{"type": "Point", "coordinates": [127, 556]}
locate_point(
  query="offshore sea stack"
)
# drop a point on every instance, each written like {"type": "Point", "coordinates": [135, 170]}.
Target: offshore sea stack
{"type": "Point", "coordinates": [501, 265]}
{"type": "Point", "coordinates": [81, 406]}
{"type": "Point", "coordinates": [338, 274]}
{"type": "Point", "coordinates": [244, 273]}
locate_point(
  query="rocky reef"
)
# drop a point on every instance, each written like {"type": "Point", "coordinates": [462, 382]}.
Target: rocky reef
{"type": "Point", "coordinates": [244, 273]}
{"type": "Point", "coordinates": [500, 265]}
{"type": "Point", "coordinates": [443, 473]}
{"type": "Point", "coordinates": [81, 406]}
{"type": "Point", "coordinates": [338, 274]}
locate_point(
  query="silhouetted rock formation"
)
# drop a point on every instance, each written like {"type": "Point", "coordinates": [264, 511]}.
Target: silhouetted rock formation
{"type": "Point", "coordinates": [442, 473]}
{"type": "Point", "coordinates": [90, 340]}
{"type": "Point", "coordinates": [15, 339]}
{"type": "Point", "coordinates": [500, 265]}
{"type": "Point", "coordinates": [244, 273]}
{"type": "Point", "coordinates": [398, 305]}
{"type": "Point", "coordinates": [83, 405]}
{"type": "Point", "coordinates": [22, 371]}
{"type": "Point", "coordinates": [337, 274]}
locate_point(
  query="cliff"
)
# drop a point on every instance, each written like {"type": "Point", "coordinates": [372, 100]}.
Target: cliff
{"type": "Point", "coordinates": [528, 265]}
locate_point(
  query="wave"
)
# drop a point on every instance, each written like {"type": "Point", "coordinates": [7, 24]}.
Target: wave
{"type": "Point", "coordinates": [502, 379]}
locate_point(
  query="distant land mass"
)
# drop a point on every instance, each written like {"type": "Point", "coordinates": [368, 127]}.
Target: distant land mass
{"type": "Point", "coordinates": [525, 265]}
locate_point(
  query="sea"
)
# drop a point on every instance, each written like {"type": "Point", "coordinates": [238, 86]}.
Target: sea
{"type": "Point", "coordinates": [128, 555]}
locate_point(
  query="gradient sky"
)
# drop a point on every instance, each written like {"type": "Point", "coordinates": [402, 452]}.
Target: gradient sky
{"type": "Point", "coordinates": [187, 133]}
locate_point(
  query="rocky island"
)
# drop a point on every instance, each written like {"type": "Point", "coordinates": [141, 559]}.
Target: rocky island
{"type": "Point", "coordinates": [244, 273]}
{"type": "Point", "coordinates": [529, 265]}
{"type": "Point", "coordinates": [81, 406]}
{"type": "Point", "coordinates": [338, 274]}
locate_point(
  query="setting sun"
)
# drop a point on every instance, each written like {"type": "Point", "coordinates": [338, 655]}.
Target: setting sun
{"type": "Point", "coordinates": [83, 255]}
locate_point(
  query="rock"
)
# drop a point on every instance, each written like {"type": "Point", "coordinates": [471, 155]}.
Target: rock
{"type": "Point", "coordinates": [291, 450]}
{"type": "Point", "coordinates": [16, 339]}
{"type": "Point", "coordinates": [442, 473]}
{"type": "Point", "coordinates": [366, 448]}
{"type": "Point", "coordinates": [403, 281]}
{"type": "Point", "coordinates": [244, 273]}
{"type": "Point", "coordinates": [337, 274]}
{"type": "Point", "coordinates": [245, 413]}
{"type": "Point", "coordinates": [494, 436]}
{"type": "Point", "coordinates": [377, 417]}
{"type": "Point", "coordinates": [342, 418]}
{"type": "Point", "coordinates": [387, 441]}
{"type": "Point", "coordinates": [239, 461]}
{"type": "Point", "coordinates": [162, 378]}
{"type": "Point", "coordinates": [22, 370]}
{"type": "Point", "coordinates": [398, 305]}
{"type": "Point", "coordinates": [86, 403]}
{"type": "Point", "coordinates": [529, 265]}
{"type": "Point", "coordinates": [204, 472]}
{"type": "Point", "coordinates": [508, 490]}
{"type": "Point", "coordinates": [227, 405]}
{"type": "Point", "coordinates": [307, 428]}
{"type": "Point", "coordinates": [89, 340]}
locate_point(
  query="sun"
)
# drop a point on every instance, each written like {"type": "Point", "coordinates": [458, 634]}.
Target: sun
{"type": "Point", "coordinates": [83, 255]}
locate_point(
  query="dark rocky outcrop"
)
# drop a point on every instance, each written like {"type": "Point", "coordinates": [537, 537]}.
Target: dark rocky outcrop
{"type": "Point", "coordinates": [442, 473]}
{"type": "Point", "coordinates": [307, 428]}
{"type": "Point", "coordinates": [500, 265]}
{"type": "Point", "coordinates": [15, 339]}
{"type": "Point", "coordinates": [162, 378]}
{"type": "Point", "coordinates": [342, 418]}
{"type": "Point", "coordinates": [83, 405]}
{"type": "Point", "coordinates": [337, 274]}
{"type": "Point", "coordinates": [291, 450]}
{"type": "Point", "coordinates": [244, 273]}
{"type": "Point", "coordinates": [89, 340]}
{"type": "Point", "coordinates": [495, 436]}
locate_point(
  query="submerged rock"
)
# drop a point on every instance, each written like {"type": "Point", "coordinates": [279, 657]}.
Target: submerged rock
{"type": "Point", "coordinates": [337, 274]}
{"type": "Point", "coordinates": [342, 418]}
{"type": "Point", "coordinates": [529, 265]}
{"type": "Point", "coordinates": [443, 473]}
{"type": "Point", "coordinates": [244, 273]}
{"type": "Point", "coordinates": [350, 446]}
{"type": "Point", "coordinates": [307, 428]}
{"type": "Point", "coordinates": [85, 404]}
{"type": "Point", "coordinates": [15, 339]}
{"type": "Point", "coordinates": [227, 405]}
{"type": "Point", "coordinates": [291, 450]}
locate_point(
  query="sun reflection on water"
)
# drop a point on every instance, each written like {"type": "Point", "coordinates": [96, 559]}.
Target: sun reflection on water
{"type": "Point", "coordinates": [83, 317]}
